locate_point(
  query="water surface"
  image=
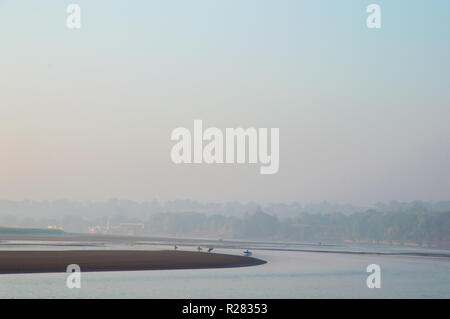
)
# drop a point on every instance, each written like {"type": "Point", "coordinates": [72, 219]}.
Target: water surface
{"type": "Point", "coordinates": [288, 274]}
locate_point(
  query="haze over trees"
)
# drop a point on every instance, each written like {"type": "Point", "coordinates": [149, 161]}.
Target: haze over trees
{"type": "Point", "coordinates": [418, 223]}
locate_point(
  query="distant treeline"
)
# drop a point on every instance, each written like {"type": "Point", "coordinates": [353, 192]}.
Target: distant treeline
{"type": "Point", "coordinates": [415, 227]}
{"type": "Point", "coordinates": [415, 222]}
{"type": "Point", "coordinates": [133, 209]}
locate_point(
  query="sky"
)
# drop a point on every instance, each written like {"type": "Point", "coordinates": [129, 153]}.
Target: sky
{"type": "Point", "coordinates": [87, 114]}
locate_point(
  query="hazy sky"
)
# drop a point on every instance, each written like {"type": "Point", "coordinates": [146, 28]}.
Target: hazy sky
{"type": "Point", "coordinates": [87, 114]}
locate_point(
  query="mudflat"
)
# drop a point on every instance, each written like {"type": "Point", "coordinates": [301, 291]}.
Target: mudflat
{"type": "Point", "coordinates": [116, 260]}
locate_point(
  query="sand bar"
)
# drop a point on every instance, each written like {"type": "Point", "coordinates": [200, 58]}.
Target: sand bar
{"type": "Point", "coordinates": [116, 260]}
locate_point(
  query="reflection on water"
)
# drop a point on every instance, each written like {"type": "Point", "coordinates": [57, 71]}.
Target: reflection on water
{"type": "Point", "coordinates": [288, 274]}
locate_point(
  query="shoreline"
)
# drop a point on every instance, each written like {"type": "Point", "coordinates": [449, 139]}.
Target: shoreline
{"type": "Point", "coordinates": [18, 262]}
{"type": "Point", "coordinates": [106, 241]}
